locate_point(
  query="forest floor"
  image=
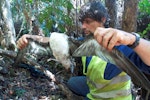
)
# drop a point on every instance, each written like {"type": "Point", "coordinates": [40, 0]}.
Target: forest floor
{"type": "Point", "coordinates": [24, 82]}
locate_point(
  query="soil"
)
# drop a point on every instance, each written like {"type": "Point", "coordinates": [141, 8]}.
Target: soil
{"type": "Point", "coordinates": [25, 82]}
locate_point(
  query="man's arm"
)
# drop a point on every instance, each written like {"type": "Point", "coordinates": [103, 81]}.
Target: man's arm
{"type": "Point", "coordinates": [110, 37]}
{"type": "Point", "coordinates": [23, 41]}
{"type": "Point", "coordinates": [143, 50]}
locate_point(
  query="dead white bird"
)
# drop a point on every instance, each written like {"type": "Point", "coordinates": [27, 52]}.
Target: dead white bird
{"type": "Point", "coordinates": [59, 44]}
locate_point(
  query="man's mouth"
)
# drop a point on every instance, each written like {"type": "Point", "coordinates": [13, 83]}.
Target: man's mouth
{"type": "Point", "coordinates": [86, 32]}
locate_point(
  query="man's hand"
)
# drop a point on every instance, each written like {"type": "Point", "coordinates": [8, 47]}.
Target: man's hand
{"type": "Point", "coordinates": [23, 41]}
{"type": "Point", "coordinates": [110, 37]}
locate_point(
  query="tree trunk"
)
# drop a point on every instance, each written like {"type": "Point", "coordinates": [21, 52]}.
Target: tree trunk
{"type": "Point", "coordinates": [130, 15]}
{"type": "Point", "coordinates": [111, 6]}
{"type": "Point", "coordinates": [7, 30]}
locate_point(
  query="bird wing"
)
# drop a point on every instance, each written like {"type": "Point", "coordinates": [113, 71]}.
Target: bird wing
{"type": "Point", "coordinates": [91, 47]}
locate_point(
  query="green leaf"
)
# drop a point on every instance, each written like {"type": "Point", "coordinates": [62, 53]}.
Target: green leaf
{"type": "Point", "coordinates": [29, 1]}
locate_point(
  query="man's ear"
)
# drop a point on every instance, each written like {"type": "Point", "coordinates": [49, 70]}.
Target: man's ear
{"type": "Point", "coordinates": [103, 20]}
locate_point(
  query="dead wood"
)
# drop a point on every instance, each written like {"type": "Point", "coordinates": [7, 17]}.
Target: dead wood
{"type": "Point", "coordinates": [69, 94]}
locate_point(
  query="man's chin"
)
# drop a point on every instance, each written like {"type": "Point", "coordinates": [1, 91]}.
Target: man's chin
{"type": "Point", "coordinates": [87, 34]}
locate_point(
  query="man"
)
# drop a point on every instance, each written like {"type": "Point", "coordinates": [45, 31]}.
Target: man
{"type": "Point", "coordinates": [105, 81]}
{"type": "Point", "coordinates": [102, 80]}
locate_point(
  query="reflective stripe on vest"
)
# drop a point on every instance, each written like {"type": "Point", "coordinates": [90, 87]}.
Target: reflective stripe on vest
{"type": "Point", "coordinates": [115, 80]}
{"type": "Point", "coordinates": [112, 94]}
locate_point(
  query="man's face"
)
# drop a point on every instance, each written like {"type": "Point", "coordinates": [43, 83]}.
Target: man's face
{"type": "Point", "coordinates": [89, 25]}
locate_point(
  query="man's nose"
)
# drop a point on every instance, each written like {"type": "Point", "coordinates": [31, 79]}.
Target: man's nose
{"type": "Point", "coordinates": [83, 26]}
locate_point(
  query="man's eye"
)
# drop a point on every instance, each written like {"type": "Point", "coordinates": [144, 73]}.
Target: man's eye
{"type": "Point", "coordinates": [87, 21]}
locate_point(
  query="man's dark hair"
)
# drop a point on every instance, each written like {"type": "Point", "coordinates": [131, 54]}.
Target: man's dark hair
{"type": "Point", "coordinates": [94, 10]}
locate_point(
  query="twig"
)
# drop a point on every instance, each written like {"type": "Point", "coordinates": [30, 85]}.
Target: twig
{"type": "Point", "coordinates": [50, 75]}
{"type": "Point", "coordinates": [13, 55]}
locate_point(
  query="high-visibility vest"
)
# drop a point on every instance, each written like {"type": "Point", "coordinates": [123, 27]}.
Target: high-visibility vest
{"type": "Point", "coordinates": [118, 88]}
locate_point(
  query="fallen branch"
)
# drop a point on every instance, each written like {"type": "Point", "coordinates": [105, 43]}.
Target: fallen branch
{"type": "Point", "coordinates": [24, 59]}
{"type": "Point", "coordinates": [50, 75]}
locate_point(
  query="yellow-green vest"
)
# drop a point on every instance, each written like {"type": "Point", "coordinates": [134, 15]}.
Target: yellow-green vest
{"type": "Point", "coordinates": [118, 88]}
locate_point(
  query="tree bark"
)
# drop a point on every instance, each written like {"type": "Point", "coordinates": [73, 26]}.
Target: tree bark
{"type": "Point", "coordinates": [130, 15]}
{"type": "Point", "coordinates": [111, 6]}
{"type": "Point", "coordinates": [7, 26]}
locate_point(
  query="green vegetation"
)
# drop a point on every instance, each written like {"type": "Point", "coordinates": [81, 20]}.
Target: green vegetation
{"type": "Point", "coordinates": [52, 15]}
{"type": "Point", "coordinates": [56, 15]}
{"type": "Point", "coordinates": [144, 9]}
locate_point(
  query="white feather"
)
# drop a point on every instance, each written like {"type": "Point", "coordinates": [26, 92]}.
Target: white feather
{"type": "Point", "coordinates": [60, 48]}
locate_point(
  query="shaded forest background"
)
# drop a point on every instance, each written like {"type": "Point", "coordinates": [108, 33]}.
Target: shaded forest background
{"type": "Point", "coordinates": [41, 17]}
